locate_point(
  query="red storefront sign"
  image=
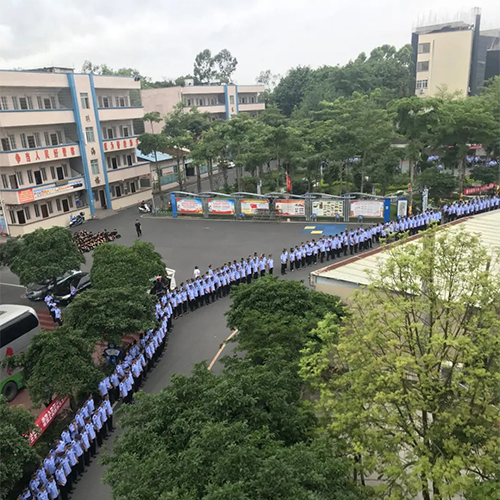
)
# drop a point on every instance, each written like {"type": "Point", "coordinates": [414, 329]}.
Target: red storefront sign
{"type": "Point", "coordinates": [479, 189]}
{"type": "Point", "coordinates": [43, 421]}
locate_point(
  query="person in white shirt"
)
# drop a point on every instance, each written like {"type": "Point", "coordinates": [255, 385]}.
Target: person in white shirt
{"type": "Point", "coordinates": [196, 272]}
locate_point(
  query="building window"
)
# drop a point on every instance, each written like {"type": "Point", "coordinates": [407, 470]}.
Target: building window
{"type": "Point", "coordinates": [231, 99]}
{"type": "Point", "coordinates": [125, 132]}
{"type": "Point", "coordinates": [49, 206]}
{"type": "Point", "coordinates": [24, 144]}
{"type": "Point", "coordinates": [44, 174]}
{"type": "Point", "coordinates": [37, 210]}
{"type": "Point", "coordinates": [12, 217]}
{"type": "Point", "coordinates": [84, 98]}
{"type": "Point", "coordinates": [26, 102]}
{"type": "Point", "coordinates": [54, 140]}
{"type": "Point", "coordinates": [132, 187]}
{"type": "Point", "coordinates": [20, 217]}
{"type": "Point", "coordinates": [5, 182]}
{"type": "Point", "coordinates": [423, 66]}
{"type": "Point", "coordinates": [189, 102]}
{"type": "Point", "coordinates": [58, 204]}
{"type": "Point", "coordinates": [70, 201]}
{"type": "Point", "coordinates": [424, 48]}
{"type": "Point", "coordinates": [31, 141]}
{"type": "Point", "coordinates": [12, 140]}
{"type": "Point", "coordinates": [253, 100]}
{"type": "Point", "coordinates": [422, 84]}
{"type": "Point", "coordinates": [47, 103]}
{"type": "Point", "coordinates": [121, 102]}
{"type": "Point", "coordinates": [20, 178]}
{"type": "Point", "coordinates": [3, 103]}
{"type": "Point", "coordinates": [30, 177]}
{"type": "Point", "coordinates": [65, 170]}
{"type": "Point", "coordinates": [52, 173]}
{"type": "Point", "coordinates": [6, 144]}
{"type": "Point", "coordinates": [130, 160]}
{"type": "Point", "coordinates": [15, 102]}
{"type": "Point", "coordinates": [27, 213]}
{"type": "Point", "coordinates": [103, 101]}
{"type": "Point", "coordinates": [94, 166]}
{"type": "Point", "coordinates": [89, 134]}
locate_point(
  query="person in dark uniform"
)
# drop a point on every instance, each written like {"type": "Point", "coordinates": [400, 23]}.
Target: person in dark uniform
{"type": "Point", "coordinates": [138, 228]}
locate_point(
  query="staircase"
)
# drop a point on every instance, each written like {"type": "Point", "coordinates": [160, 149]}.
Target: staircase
{"type": "Point", "coordinates": [46, 322]}
{"type": "Point", "coordinates": [265, 216]}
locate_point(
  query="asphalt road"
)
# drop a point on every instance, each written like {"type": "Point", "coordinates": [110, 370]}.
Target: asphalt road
{"type": "Point", "coordinates": [183, 243]}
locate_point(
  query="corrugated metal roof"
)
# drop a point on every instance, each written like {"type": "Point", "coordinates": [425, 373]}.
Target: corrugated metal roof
{"type": "Point", "coordinates": [355, 270]}
{"type": "Point", "coordinates": [151, 157]}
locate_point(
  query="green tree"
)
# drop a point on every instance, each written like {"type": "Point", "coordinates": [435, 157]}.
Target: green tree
{"type": "Point", "coordinates": [178, 137]}
{"type": "Point", "coordinates": [204, 67]}
{"type": "Point", "coordinates": [440, 184]}
{"type": "Point", "coordinates": [152, 117]}
{"type": "Point", "coordinates": [118, 266]}
{"type": "Point", "coordinates": [207, 149]}
{"type": "Point", "coordinates": [462, 122]}
{"type": "Point", "coordinates": [15, 450]}
{"type": "Point", "coordinates": [41, 255]}
{"type": "Point", "coordinates": [226, 66]}
{"type": "Point", "coordinates": [411, 380]}
{"type": "Point", "coordinates": [152, 143]}
{"type": "Point", "coordinates": [415, 118]}
{"type": "Point", "coordinates": [246, 411]}
{"type": "Point", "coordinates": [58, 363]}
{"type": "Point", "coordinates": [110, 313]}
{"type": "Point", "coordinates": [290, 90]}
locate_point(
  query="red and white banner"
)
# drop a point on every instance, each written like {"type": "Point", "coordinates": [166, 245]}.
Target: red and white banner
{"type": "Point", "coordinates": [479, 189]}
{"type": "Point", "coordinates": [292, 208]}
{"type": "Point", "coordinates": [43, 421]}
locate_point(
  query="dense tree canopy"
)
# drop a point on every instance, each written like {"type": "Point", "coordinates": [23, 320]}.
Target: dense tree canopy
{"type": "Point", "coordinates": [15, 450]}
{"type": "Point", "coordinates": [110, 313]}
{"type": "Point", "coordinates": [58, 363]}
{"type": "Point", "coordinates": [245, 434]}
{"type": "Point", "coordinates": [411, 380]}
{"type": "Point", "coordinates": [42, 254]}
{"type": "Point", "coordinates": [116, 266]}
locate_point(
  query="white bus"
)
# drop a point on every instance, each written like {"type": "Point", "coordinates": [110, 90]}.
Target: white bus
{"type": "Point", "coordinates": [17, 325]}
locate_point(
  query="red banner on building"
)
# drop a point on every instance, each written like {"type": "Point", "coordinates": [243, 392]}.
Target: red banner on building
{"type": "Point", "coordinates": [479, 189]}
{"type": "Point", "coordinates": [43, 421]}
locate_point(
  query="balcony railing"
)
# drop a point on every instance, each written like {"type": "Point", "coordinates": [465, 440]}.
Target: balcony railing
{"type": "Point", "coordinates": [31, 117]}
{"type": "Point", "coordinates": [41, 191]}
{"type": "Point", "coordinates": [129, 172]}
{"type": "Point", "coordinates": [34, 155]}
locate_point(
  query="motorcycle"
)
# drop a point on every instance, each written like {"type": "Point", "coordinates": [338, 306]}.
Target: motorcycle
{"type": "Point", "coordinates": [144, 208]}
{"type": "Point", "coordinates": [76, 221]}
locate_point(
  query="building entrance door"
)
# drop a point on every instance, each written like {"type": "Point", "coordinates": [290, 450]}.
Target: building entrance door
{"type": "Point", "coordinates": [102, 198]}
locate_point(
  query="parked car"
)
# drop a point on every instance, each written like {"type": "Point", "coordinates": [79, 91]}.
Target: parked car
{"type": "Point", "coordinates": [230, 164]}
{"type": "Point", "coordinates": [62, 291]}
{"type": "Point", "coordinates": [38, 291]}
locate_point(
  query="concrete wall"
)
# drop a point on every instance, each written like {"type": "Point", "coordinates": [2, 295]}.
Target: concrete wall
{"type": "Point", "coordinates": [449, 61]}
{"type": "Point", "coordinates": [58, 220]}
{"type": "Point", "coordinates": [132, 199]}
{"type": "Point", "coordinates": [161, 100]}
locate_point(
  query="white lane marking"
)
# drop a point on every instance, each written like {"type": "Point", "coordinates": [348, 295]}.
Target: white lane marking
{"type": "Point", "coordinates": [11, 284]}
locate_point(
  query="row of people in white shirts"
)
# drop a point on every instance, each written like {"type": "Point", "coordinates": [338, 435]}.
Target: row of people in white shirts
{"type": "Point", "coordinates": [472, 206]}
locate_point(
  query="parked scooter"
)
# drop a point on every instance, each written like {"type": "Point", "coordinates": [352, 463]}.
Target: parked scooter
{"type": "Point", "coordinates": [144, 208]}
{"type": "Point", "coordinates": [76, 221]}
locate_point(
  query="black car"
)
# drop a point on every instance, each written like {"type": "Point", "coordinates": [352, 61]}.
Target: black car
{"type": "Point", "coordinates": [38, 291]}
{"type": "Point", "coordinates": [62, 291]}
